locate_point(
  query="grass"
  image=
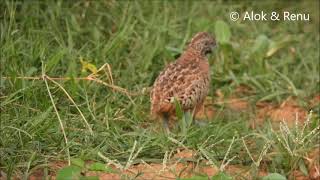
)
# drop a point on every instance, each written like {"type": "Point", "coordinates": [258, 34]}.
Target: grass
{"type": "Point", "coordinates": [276, 60]}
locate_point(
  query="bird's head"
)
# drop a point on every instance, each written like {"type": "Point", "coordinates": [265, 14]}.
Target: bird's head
{"type": "Point", "coordinates": [202, 43]}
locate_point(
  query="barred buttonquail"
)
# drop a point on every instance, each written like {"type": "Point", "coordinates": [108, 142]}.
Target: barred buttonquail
{"type": "Point", "coordinates": [186, 80]}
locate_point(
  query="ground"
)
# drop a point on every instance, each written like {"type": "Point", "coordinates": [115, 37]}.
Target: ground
{"type": "Point", "coordinates": [76, 76]}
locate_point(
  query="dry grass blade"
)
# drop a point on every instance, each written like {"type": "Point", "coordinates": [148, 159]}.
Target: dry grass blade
{"type": "Point", "coordinates": [108, 72]}
{"type": "Point", "coordinates": [109, 161]}
{"type": "Point", "coordinates": [223, 164]}
{"type": "Point", "coordinates": [120, 89]}
{"type": "Point", "coordinates": [262, 153]}
{"type": "Point", "coordinates": [70, 98]}
{"type": "Point", "coordinates": [88, 78]}
{"type": "Point", "coordinates": [58, 116]}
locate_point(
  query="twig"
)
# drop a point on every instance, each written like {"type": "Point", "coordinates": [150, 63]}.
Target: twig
{"type": "Point", "coordinates": [88, 78]}
{"type": "Point", "coordinates": [41, 78]}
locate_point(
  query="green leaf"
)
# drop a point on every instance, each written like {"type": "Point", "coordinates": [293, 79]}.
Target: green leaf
{"type": "Point", "coordinates": [274, 176]}
{"type": "Point", "coordinates": [55, 59]}
{"type": "Point", "coordinates": [69, 172]}
{"type": "Point", "coordinates": [86, 66]}
{"type": "Point", "coordinates": [188, 118]}
{"type": "Point", "coordinates": [179, 111]}
{"type": "Point", "coordinates": [196, 178]}
{"type": "Point", "coordinates": [72, 69]}
{"type": "Point", "coordinates": [38, 119]}
{"type": "Point", "coordinates": [74, 23]}
{"type": "Point", "coordinates": [31, 71]}
{"type": "Point", "coordinates": [173, 50]}
{"type": "Point", "coordinates": [303, 168]}
{"type": "Point", "coordinates": [77, 162]}
{"type": "Point", "coordinates": [221, 176]}
{"type": "Point", "coordinates": [96, 33]}
{"type": "Point", "coordinates": [202, 24]}
{"type": "Point", "coordinates": [13, 97]}
{"type": "Point", "coordinates": [222, 32]}
{"type": "Point", "coordinates": [182, 117]}
{"type": "Point", "coordinates": [261, 44]}
{"type": "Point", "coordinates": [99, 167]}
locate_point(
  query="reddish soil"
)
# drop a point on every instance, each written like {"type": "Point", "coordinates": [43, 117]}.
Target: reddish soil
{"type": "Point", "coordinates": [237, 104]}
{"type": "Point", "coordinates": [313, 162]}
{"type": "Point", "coordinates": [288, 112]}
{"type": "Point", "coordinates": [315, 101]}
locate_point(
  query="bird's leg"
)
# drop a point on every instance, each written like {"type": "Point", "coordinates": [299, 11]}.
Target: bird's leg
{"type": "Point", "coordinates": [198, 108]}
{"type": "Point", "coordinates": [165, 120]}
{"type": "Point", "coordinates": [194, 112]}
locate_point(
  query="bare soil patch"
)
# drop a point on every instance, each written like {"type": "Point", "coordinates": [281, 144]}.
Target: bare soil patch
{"type": "Point", "coordinates": [288, 111]}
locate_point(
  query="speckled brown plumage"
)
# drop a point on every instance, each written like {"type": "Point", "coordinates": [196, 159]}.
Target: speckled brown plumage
{"type": "Point", "coordinates": [187, 79]}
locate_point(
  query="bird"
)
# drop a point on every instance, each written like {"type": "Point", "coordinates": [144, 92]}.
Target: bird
{"type": "Point", "coordinates": [186, 80]}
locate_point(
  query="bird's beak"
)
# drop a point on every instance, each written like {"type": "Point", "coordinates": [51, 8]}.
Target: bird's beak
{"type": "Point", "coordinates": [210, 50]}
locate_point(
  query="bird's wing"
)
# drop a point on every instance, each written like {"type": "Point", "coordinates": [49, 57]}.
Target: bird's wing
{"type": "Point", "coordinates": [185, 82]}
{"type": "Point", "coordinates": [195, 92]}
